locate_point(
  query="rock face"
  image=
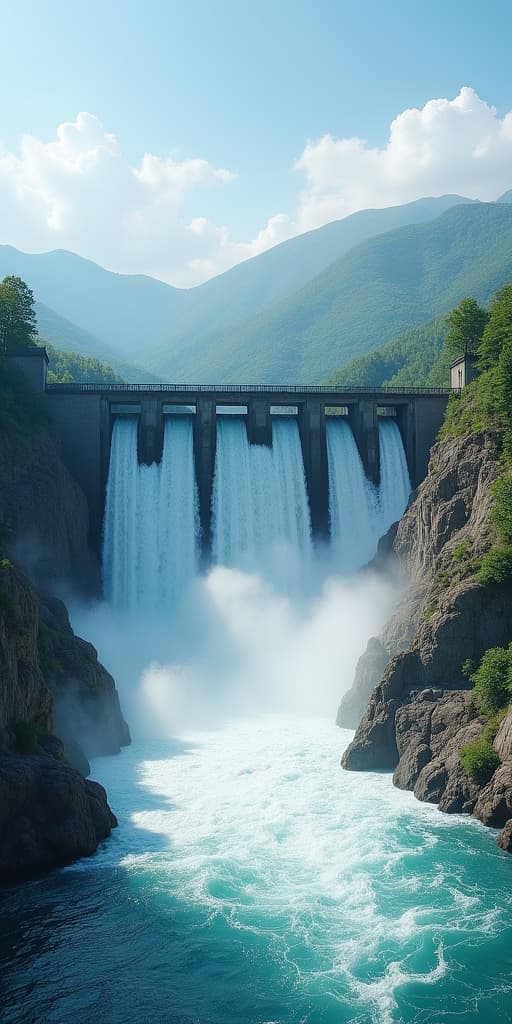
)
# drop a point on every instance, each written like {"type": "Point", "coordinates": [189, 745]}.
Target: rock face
{"type": "Point", "coordinates": [369, 669]}
{"type": "Point", "coordinates": [419, 715]}
{"type": "Point", "coordinates": [44, 512]}
{"type": "Point", "coordinates": [24, 695]}
{"type": "Point", "coordinates": [50, 680]}
{"type": "Point", "coordinates": [49, 813]}
{"type": "Point", "coordinates": [86, 710]}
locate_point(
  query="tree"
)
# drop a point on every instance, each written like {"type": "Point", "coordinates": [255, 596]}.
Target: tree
{"type": "Point", "coordinates": [498, 330]}
{"type": "Point", "coordinates": [18, 321]}
{"type": "Point", "coordinates": [466, 325]}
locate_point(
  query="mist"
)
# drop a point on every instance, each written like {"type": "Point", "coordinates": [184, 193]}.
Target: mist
{"type": "Point", "coordinates": [237, 646]}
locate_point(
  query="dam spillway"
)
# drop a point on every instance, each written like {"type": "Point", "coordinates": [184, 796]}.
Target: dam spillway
{"type": "Point", "coordinates": [84, 417]}
{"type": "Point", "coordinates": [151, 526]}
{"type": "Point", "coordinates": [259, 494]}
{"type": "Point", "coordinates": [260, 507]}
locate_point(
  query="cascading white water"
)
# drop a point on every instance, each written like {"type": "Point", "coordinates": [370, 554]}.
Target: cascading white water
{"type": "Point", "coordinates": [395, 484]}
{"type": "Point", "coordinates": [352, 500]}
{"type": "Point", "coordinates": [120, 533]}
{"type": "Point", "coordinates": [260, 505]}
{"type": "Point", "coordinates": [151, 519]}
{"type": "Point", "coordinates": [260, 512]}
{"type": "Point", "coordinates": [358, 512]}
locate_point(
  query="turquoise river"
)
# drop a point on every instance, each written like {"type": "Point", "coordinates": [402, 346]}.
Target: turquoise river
{"type": "Point", "coordinates": [253, 881]}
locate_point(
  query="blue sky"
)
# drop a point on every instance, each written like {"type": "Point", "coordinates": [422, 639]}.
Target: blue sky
{"type": "Point", "coordinates": [241, 86]}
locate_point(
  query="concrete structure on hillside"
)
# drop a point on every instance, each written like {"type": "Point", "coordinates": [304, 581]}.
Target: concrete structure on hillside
{"type": "Point", "coordinates": [83, 415]}
{"type": "Point", "coordinates": [463, 370]}
{"type": "Point", "coordinates": [33, 363]}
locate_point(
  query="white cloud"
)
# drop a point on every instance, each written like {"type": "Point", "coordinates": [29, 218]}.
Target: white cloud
{"type": "Point", "coordinates": [225, 252]}
{"type": "Point", "coordinates": [449, 146]}
{"type": "Point", "coordinates": [79, 191]}
{"type": "Point", "coordinates": [171, 179]}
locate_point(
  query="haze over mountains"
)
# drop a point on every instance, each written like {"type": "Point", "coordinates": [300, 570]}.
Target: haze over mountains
{"type": "Point", "coordinates": [294, 314]}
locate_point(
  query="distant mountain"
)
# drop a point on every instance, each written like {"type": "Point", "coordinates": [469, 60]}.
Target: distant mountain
{"type": "Point", "coordinates": [370, 295]}
{"type": "Point", "coordinates": [121, 311]}
{"type": "Point", "coordinates": [255, 285]}
{"type": "Point", "coordinates": [296, 313]}
{"type": "Point", "coordinates": [148, 322]}
{"type": "Point", "coordinates": [67, 337]}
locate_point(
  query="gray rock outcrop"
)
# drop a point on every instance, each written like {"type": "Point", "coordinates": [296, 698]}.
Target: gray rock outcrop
{"type": "Point", "coordinates": [419, 714]}
{"type": "Point", "coordinates": [49, 815]}
{"type": "Point", "coordinates": [49, 812]}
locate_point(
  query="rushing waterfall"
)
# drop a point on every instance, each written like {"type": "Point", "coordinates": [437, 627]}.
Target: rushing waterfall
{"type": "Point", "coordinates": [151, 520]}
{"type": "Point", "coordinates": [260, 512]}
{"type": "Point", "coordinates": [359, 513]}
{"type": "Point", "coordinates": [395, 485]}
{"type": "Point", "coordinates": [260, 505]}
{"type": "Point", "coordinates": [352, 499]}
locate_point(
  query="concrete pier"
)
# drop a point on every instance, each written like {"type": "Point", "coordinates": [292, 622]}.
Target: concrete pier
{"type": "Point", "coordinates": [150, 433]}
{"type": "Point", "coordinates": [259, 423]}
{"type": "Point", "coordinates": [314, 455]}
{"type": "Point", "coordinates": [205, 443]}
{"type": "Point", "coordinates": [365, 427]}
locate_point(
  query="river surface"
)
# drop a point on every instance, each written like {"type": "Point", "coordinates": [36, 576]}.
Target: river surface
{"type": "Point", "coordinates": [253, 881]}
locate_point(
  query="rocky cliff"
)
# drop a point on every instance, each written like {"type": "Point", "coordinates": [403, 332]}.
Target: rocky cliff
{"type": "Point", "coordinates": [420, 714]}
{"type": "Point", "coordinates": [58, 705]}
{"type": "Point", "coordinates": [51, 682]}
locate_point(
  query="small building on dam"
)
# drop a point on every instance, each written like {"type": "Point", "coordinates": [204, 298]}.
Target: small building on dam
{"type": "Point", "coordinates": [84, 414]}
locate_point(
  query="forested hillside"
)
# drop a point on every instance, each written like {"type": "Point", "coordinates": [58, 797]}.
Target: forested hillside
{"type": "Point", "coordinates": [122, 312]}
{"type": "Point", "coordinates": [371, 295]}
{"type": "Point", "coordinates": [67, 337]}
{"type": "Point", "coordinates": [415, 358]}
{"type": "Point", "coordinates": [68, 367]}
{"type": "Point", "coordinates": [253, 287]}
{"type": "Point", "coordinates": [120, 317]}
{"type": "Point", "coordinates": [384, 298]}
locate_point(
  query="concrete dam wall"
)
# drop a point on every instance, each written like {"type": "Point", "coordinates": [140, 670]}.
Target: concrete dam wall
{"type": "Point", "coordinates": [84, 416]}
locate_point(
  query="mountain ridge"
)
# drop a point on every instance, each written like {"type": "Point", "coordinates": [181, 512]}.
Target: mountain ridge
{"type": "Point", "coordinates": [137, 315]}
{"type": "Point", "coordinates": [363, 298]}
{"type": "Point", "coordinates": [376, 290]}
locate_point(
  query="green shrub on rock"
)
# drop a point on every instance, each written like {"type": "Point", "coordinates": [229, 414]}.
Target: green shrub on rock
{"type": "Point", "coordinates": [501, 515]}
{"type": "Point", "coordinates": [496, 565]}
{"type": "Point", "coordinates": [492, 680]}
{"type": "Point", "coordinates": [492, 693]}
{"type": "Point", "coordinates": [480, 759]}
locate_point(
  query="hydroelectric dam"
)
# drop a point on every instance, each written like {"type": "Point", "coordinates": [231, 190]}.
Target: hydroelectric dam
{"type": "Point", "coordinates": [315, 421]}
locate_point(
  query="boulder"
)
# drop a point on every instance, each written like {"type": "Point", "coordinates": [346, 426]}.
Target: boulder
{"type": "Point", "coordinates": [505, 837]}
{"type": "Point", "coordinates": [503, 739]}
{"type": "Point", "coordinates": [410, 765]}
{"type": "Point", "coordinates": [494, 804]}
{"type": "Point", "coordinates": [49, 815]}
